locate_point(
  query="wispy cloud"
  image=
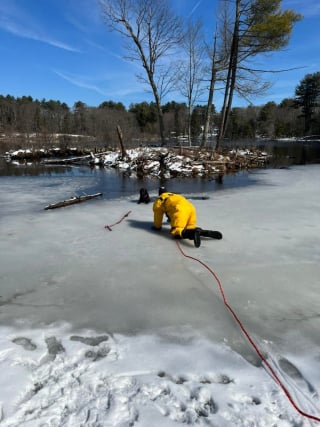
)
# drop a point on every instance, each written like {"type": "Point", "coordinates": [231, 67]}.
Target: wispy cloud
{"type": "Point", "coordinates": [15, 21]}
{"type": "Point", "coordinates": [29, 34]}
{"type": "Point", "coordinates": [111, 87]}
{"type": "Point", "coordinates": [81, 81]}
{"type": "Point", "coordinates": [195, 7]}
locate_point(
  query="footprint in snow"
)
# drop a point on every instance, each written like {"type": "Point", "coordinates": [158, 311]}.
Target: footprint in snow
{"type": "Point", "coordinates": [26, 343]}
{"type": "Point", "coordinates": [97, 355]}
{"type": "Point", "coordinates": [54, 346]}
{"type": "Point", "coordinates": [92, 341]}
{"type": "Point", "coordinates": [293, 372]}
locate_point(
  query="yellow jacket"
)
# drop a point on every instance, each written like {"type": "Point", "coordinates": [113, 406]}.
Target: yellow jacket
{"type": "Point", "coordinates": [181, 212]}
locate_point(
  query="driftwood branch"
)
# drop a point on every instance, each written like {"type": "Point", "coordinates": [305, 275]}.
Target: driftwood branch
{"type": "Point", "coordinates": [72, 201]}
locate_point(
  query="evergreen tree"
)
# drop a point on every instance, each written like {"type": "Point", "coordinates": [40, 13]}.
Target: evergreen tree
{"type": "Point", "coordinates": [259, 27]}
{"type": "Point", "coordinates": [308, 98]}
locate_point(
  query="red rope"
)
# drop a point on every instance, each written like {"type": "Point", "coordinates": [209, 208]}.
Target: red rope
{"type": "Point", "coordinates": [109, 227]}
{"type": "Point", "coordinates": [256, 348]}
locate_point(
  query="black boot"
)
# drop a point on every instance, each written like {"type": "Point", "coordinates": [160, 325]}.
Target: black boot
{"type": "Point", "coordinates": [192, 234]}
{"type": "Point", "coordinates": [197, 238]}
{"type": "Point", "coordinates": [210, 233]}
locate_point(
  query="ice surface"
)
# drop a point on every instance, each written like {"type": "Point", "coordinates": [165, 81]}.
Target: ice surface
{"type": "Point", "coordinates": [172, 353]}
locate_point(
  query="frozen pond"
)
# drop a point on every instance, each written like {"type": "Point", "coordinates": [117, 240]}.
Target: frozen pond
{"type": "Point", "coordinates": [63, 275]}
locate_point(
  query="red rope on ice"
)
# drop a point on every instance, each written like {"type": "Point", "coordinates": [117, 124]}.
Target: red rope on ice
{"type": "Point", "coordinates": [109, 227]}
{"type": "Point", "coordinates": [254, 345]}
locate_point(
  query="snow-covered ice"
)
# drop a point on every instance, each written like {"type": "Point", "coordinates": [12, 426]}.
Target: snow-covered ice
{"type": "Point", "coordinates": [118, 328]}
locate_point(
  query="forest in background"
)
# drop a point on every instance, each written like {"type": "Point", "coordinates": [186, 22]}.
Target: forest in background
{"type": "Point", "coordinates": [175, 56]}
{"type": "Point", "coordinates": [26, 122]}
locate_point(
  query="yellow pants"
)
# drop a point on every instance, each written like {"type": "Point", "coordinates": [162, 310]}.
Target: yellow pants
{"type": "Point", "coordinates": [184, 216]}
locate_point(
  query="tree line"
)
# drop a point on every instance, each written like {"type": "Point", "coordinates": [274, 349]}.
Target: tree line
{"type": "Point", "coordinates": [176, 55]}
{"type": "Point", "coordinates": [292, 117]}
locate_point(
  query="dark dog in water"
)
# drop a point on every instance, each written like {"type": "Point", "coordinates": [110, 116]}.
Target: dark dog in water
{"type": "Point", "coordinates": [144, 196]}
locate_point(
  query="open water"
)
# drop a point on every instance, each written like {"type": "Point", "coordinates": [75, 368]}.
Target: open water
{"type": "Point", "coordinates": [114, 184]}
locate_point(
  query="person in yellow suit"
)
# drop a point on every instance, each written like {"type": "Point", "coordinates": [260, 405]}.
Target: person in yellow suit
{"type": "Point", "coordinates": [182, 216]}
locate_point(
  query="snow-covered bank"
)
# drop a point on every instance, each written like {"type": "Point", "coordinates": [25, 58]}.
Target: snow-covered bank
{"type": "Point", "coordinates": [117, 328]}
{"type": "Point", "coordinates": [156, 162]}
{"type": "Point", "coordinates": [54, 377]}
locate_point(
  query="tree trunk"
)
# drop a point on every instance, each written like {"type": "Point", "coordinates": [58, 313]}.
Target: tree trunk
{"type": "Point", "coordinates": [161, 127]}
{"type": "Point", "coordinates": [123, 151]}
{"type": "Point", "coordinates": [159, 108]}
{"type": "Point", "coordinates": [231, 78]}
{"type": "Point", "coordinates": [210, 96]}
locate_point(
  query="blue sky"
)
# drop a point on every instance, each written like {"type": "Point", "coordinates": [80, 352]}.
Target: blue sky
{"type": "Point", "coordinates": [62, 50]}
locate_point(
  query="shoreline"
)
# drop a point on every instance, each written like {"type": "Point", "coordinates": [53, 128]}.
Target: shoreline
{"type": "Point", "coordinates": [162, 162]}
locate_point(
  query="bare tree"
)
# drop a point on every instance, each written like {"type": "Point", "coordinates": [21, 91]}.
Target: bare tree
{"type": "Point", "coordinates": [153, 32]}
{"type": "Point", "coordinates": [212, 82]}
{"type": "Point", "coordinates": [218, 55]}
{"type": "Point", "coordinates": [191, 69]}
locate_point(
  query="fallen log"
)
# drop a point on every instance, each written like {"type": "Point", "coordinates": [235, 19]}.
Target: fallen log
{"type": "Point", "coordinates": [72, 201]}
{"type": "Point", "coordinates": [67, 161]}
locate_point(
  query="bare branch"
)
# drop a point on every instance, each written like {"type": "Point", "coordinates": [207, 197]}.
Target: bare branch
{"type": "Point", "coordinates": [153, 33]}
